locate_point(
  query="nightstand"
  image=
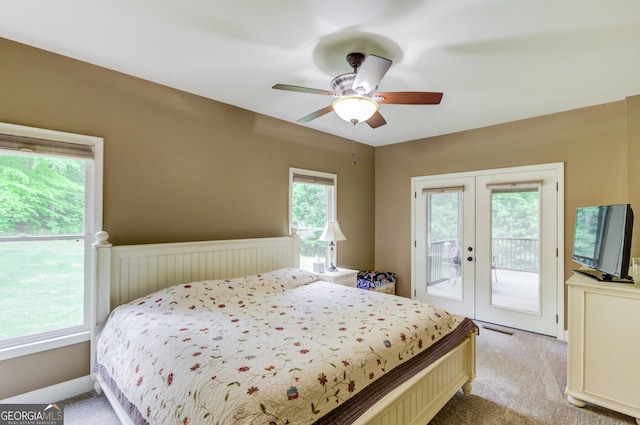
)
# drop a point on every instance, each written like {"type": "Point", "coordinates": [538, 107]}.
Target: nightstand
{"type": "Point", "coordinates": [344, 277]}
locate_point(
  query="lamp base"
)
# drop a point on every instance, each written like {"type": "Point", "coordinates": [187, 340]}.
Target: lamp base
{"type": "Point", "coordinates": [332, 268]}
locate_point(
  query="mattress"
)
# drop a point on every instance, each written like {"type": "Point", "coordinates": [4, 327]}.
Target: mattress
{"type": "Point", "coordinates": [277, 348]}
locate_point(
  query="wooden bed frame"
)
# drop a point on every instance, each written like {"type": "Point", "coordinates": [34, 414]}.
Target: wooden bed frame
{"type": "Point", "coordinates": [124, 273]}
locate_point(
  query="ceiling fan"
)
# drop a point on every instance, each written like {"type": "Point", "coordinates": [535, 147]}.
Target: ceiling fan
{"type": "Point", "coordinates": [355, 92]}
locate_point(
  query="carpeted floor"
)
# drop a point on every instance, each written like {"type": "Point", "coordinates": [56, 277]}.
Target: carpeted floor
{"type": "Point", "coordinates": [521, 380]}
{"type": "Point", "coordinates": [89, 409]}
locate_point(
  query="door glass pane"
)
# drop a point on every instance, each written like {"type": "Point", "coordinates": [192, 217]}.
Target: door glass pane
{"type": "Point", "coordinates": [444, 234]}
{"type": "Point", "coordinates": [515, 248]}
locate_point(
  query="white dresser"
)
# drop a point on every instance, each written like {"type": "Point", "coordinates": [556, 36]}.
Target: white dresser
{"type": "Point", "coordinates": [604, 344]}
{"type": "Point", "coordinates": [345, 277]}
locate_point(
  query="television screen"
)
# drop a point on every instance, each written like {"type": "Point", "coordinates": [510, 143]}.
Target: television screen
{"type": "Point", "coordinates": [602, 239]}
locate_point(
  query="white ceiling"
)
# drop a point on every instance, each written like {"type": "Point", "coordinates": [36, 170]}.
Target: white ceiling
{"type": "Point", "coordinates": [494, 60]}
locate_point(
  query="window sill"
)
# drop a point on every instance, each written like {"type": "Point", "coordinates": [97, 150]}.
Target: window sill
{"type": "Point", "coordinates": [24, 349]}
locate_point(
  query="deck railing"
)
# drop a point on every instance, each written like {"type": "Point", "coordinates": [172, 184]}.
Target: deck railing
{"type": "Point", "coordinates": [520, 254]}
{"type": "Point", "coordinates": [439, 262]}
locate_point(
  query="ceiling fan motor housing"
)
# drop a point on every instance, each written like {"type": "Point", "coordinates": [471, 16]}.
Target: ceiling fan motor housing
{"type": "Point", "coordinates": [355, 60]}
{"type": "Point", "coordinates": [343, 84]}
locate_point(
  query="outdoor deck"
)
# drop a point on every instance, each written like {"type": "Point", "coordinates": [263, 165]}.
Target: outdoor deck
{"type": "Point", "coordinates": [513, 289]}
{"type": "Point", "coordinates": [514, 276]}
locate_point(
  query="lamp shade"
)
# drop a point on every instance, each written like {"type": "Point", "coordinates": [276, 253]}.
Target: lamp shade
{"type": "Point", "coordinates": [332, 232]}
{"type": "Point", "coordinates": [355, 109]}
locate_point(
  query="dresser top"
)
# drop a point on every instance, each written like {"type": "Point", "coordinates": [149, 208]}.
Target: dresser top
{"type": "Point", "coordinates": [582, 280]}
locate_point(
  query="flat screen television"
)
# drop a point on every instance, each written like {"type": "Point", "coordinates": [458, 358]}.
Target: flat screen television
{"type": "Point", "coordinates": [602, 240]}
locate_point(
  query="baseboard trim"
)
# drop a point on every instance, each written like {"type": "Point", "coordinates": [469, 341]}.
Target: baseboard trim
{"type": "Point", "coordinates": [54, 393]}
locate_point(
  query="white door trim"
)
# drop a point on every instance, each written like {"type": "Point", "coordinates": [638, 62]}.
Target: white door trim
{"type": "Point", "coordinates": [559, 168]}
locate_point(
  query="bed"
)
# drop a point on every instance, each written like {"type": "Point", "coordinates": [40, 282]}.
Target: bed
{"type": "Point", "coordinates": [233, 332]}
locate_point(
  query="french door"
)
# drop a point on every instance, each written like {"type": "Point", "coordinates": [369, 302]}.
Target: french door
{"type": "Point", "coordinates": [487, 245]}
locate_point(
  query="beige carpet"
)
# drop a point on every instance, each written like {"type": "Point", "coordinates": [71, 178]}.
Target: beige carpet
{"type": "Point", "coordinates": [521, 380]}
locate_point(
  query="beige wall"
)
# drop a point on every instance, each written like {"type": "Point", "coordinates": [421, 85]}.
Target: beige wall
{"type": "Point", "coordinates": [602, 165]}
{"type": "Point", "coordinates": [177, 167]}
{"type": "Point", "coordinates": [633, 166]}
{"type": "Point", "coordinates": [180, 167]}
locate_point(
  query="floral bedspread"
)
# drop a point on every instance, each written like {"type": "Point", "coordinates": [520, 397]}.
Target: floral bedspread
{"type": "Point", "coordinates": [274, 348]}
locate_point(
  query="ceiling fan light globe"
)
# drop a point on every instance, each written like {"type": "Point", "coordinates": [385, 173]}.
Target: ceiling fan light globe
{"type": "Point", "coordinates": [355, 108]}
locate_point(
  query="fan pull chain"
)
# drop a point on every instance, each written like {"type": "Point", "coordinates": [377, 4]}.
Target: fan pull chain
{"type": "Point", "coordinates": [353, 144]}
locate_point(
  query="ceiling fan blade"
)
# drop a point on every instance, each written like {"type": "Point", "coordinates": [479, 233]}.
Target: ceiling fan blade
{"type": "Point", "coordinates": [376, 120]}
{"type": "Point", "coordinates": [316, 114]}
{"type": "Point", "coordinates": [409, 97]}
{"type": "Point", "coordinates": [370, 73]}
{"type": "Point", "coordinates": [302, 89]}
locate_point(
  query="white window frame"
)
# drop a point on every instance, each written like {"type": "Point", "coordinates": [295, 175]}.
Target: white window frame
{"type": "Point", "coordinates": [21, 346]}
{"type": "Point", "coordinates": [332, 201]}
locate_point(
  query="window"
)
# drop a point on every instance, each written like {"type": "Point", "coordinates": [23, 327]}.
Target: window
{"type": "Point", "coordinates": [50, 208]}
{"type": "Point", "coordinates": [312, 203]}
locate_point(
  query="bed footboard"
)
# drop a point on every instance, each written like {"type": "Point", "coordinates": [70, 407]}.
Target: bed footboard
{"type": "Point", "coordinates": [418, 400]}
